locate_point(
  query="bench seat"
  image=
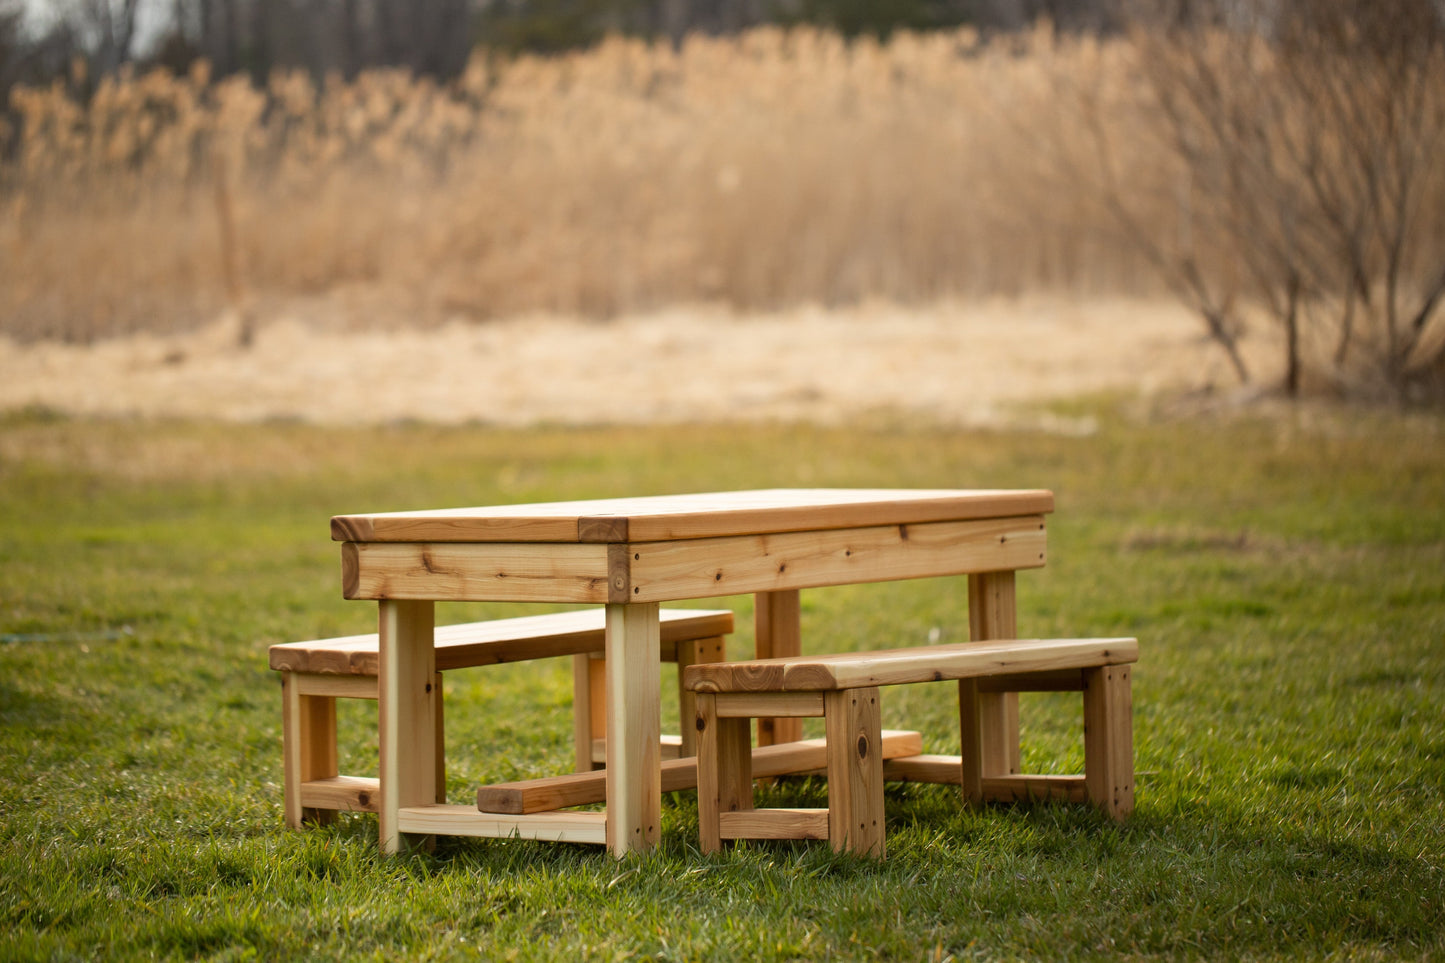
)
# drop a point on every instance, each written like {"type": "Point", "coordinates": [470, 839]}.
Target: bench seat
{"type": "Point", "coordinates": [844, 689]}
{"type": "Point", "coordinates": [316, 673]}
{"type": "Point", "coordinates": [929, 663]}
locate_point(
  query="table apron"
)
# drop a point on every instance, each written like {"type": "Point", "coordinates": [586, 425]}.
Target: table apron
{"type": "Point", "coordinates": [688, 568]}
{"type": "Point", "coordinates": [705, 567]}
{"type": "Point", "coordinates": [476, 571]}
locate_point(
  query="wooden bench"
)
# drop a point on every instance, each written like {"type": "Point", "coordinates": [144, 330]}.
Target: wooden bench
{"type": "Point", "coordinates": [315, 674]}
{"type": "Point", "coordinates": [844, 690]}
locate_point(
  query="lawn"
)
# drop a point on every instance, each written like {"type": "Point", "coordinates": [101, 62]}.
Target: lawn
{"type": "Point", "coordinates": [1285, 574]}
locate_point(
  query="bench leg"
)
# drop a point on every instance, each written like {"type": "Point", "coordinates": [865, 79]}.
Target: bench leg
{"type": "Point", "coordinates": [853, 721]}
{"type": "Point", "coordinates": [308, 748]}
{"type": "Point", "coordinates": [589, 708]}
{"type": "Point", "coordinates": [693, 652]}
{"type": "Point", "coordinates": [724, 769]}
{"type": "Point", "coordinates": [971, 736]}
{"type": "Point", "coordinates": [441, 754]}
{"type": "Point", "coordinates": [1109, 739]}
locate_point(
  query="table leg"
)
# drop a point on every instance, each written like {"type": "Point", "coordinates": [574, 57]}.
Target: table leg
{"type": "Point", "coordinates": [992, 614]}
{"type": "Point", "coordinates": [407, 727]}
{"type": "Point", "coordinates": [634, 727]}
{"type": "Point", "coordinates": [777, 624]}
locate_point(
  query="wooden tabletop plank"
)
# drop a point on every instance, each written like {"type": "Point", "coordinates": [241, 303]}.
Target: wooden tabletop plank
{"type": "Point", "coordinates": [701, 515]}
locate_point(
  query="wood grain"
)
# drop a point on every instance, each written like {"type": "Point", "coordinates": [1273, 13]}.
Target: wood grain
{"type": "Point", "coordinates": [496, 572]}
{"type": "Point", "coordinates": [703, 515]}
{"type": "Point", "coordinates": [1033, 788]}
{"type": "Point", "coordinates": [778, 632]}
{"type": "Point", "coordinates": [353, 793]}
{"type": "Point", "coordinates": [308, 748]}
{"type": "Point", "coordinates": [581, 789]}
{"type": "Point", "coordinates": [992, 614]}
{"type": "Point", "coordinates": [498, 641]}
{"type": "Point", "coordinates": [785, 705]}
{"type": "Point", "coordinates": [704, 568]}
{"type": "Point", "coordinates": [633, 773]}
{"type": "Point", "coordinates": [929, 663]}
{"type": "Point", "coordinates": [466, 821]}
{"type": "Point", "coordinates": [1109, 740]}
{"type": "Point", "coordinates": [335, 686]}
{"type": "Point", "coordinates": [946, 770]}
{"type": "Point", "coordinates": [855, 771]}
{"type": "Point", "coordinates": [693, 652]}
{"type": "Point", "coordinates": [407, 727]}
{"type": "Point", "coordinates": [773, 824]}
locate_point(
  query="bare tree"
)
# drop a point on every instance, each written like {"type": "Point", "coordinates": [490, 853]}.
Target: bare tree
{"type": "Point", "coordinates": [1309, 134]}
{"type": "Point", "coordinates": [108, 27]}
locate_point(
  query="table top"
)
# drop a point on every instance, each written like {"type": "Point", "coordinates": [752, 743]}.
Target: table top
{"type": "Point", "coordinates": [702, 515]}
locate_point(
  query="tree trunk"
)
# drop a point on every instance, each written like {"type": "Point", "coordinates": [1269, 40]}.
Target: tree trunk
{"type": "Point", "coordinates": [1292, 363]}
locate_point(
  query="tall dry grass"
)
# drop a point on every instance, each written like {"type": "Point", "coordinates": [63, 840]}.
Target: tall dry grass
{"type": "Point", "coordinates": [759, 170]}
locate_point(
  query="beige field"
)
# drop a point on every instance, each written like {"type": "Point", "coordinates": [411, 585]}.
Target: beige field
{"type": "Point", "coordinates": [979, 363]}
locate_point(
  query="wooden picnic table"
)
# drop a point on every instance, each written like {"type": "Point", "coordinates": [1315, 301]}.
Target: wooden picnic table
{"type": "Point", "coordinates": [630, 554]}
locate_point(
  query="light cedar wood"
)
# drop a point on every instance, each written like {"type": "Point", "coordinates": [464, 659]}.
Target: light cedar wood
{"type": "Point", "coordinates": [1065, 680]}
{"type": "Point", "coordinates": [787, 705]}
{"type": "Point", "coordinates": [466, 821]}
{"type": "Point", "coordinates": [353, 793]}
{"type": "Point", "coordinates": [1109, 739]}
{"type": "Point", "coordinates": [705, 515]}
{"type": "Point", "coordinates": [853, 754]}
{"type": "Point", "coordinates": [669, 747]}
{"type": "Point", "coordinates": [855, 771]}
{"type": "Point", "coordinates": [992, 614]}
{"type": "Point", "coordinates": [313, 724]}
{"type": "Point", "coordinates": [315, 673]}
{"type": "Point", "coordinates": [610, 555]}
{"type": "Point", "coordinates": [334, 686]}
{"type": "Point", "coordinates": [406, 686]}
{"type": "Point", "coordinates": [308, 751]}
{"type": "Point", "coordinates": [693, 568]}
{"type": "Point", "coordinates": [724, 772]}
{"type": "Point", "coordinates": [475, 571]}
{"type": "Point", "coordinates": [778, 631]}
{"type": "Point", "coordinates": [972, 743]}
{"type": "Point", "coordinates": [589, 713]}
{"type": "Point", "coordinates": [590, 692]}
{"type": "Point", "coordinates": [702, 568]}
{"type": "Point", "coordinates": [634, 765]}
{"type": "Point", "coordinates": [1035, 788]}
{"type": "Point", "coordinates": [696, 652]}
{"type": "Point", "coordinates": [580, 789]}
{"type": "Point", "coordinates": [773, 824]}
{"type": "Point", "coordinates": [930, 663]}
{"type": "Point", "coordinates": [947, 770]}
{"type": "Point", "coordinates": [929, 768]}
{"type": "Point", "coordinates": [498, 641]}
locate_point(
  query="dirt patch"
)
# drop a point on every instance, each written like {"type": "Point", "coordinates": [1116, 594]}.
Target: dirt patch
{"type": "Point", "coordinates": [960, 364]}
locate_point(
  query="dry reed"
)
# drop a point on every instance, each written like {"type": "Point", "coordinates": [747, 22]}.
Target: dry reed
{"type": "Point", "coordinates": [770, 168]}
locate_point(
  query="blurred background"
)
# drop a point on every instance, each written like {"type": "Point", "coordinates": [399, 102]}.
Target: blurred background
{"type": "Point", "coordinates": [1270, 165]}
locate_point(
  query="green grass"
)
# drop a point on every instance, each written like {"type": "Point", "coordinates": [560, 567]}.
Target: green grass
{"type": "Point", "coordinates": [1285, 576]}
